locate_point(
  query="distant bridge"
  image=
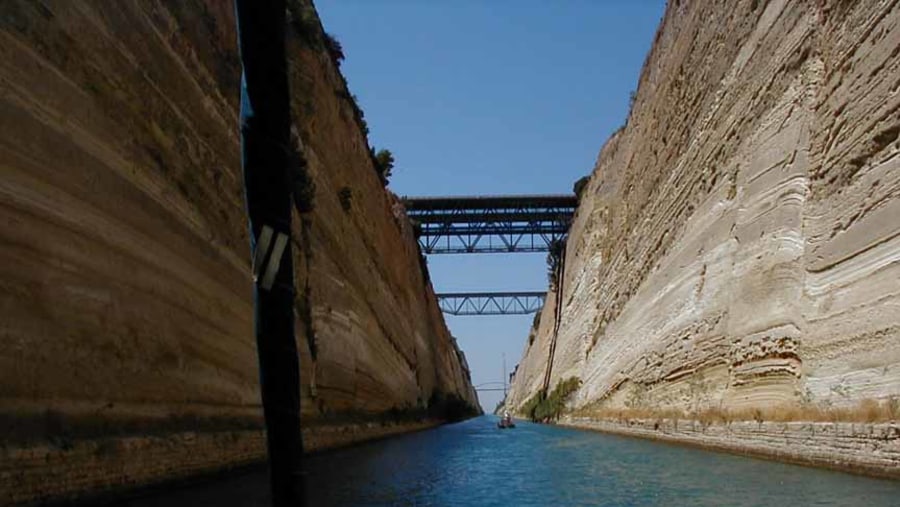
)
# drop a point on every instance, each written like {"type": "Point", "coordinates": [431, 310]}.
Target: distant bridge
{"type": "Point", "coordinates": [491, 303]}
{"type": "Point", "coordinates": [490, 224]}
{"type": "Point", "coordinates": [492, 386]}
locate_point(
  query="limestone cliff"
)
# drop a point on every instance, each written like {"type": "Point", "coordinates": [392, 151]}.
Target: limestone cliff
{"type": "Point", "coordinates": [738, 244]}
{"type": "Point", "coordinates": [128, 352]}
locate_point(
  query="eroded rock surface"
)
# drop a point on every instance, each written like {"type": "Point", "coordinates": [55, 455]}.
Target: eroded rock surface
{"type": "Point", "coordinates": [738, 244]}
{"type": "Point", "coordinates": [125, 301]}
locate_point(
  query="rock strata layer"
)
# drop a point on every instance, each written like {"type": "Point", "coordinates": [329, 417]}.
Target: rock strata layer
{"type": "Point", "coordinates": [872, 449]}
{"type": "Point", "coordinates": [125, 309]}
{"type": "Point", "coordinates": [738, 244]}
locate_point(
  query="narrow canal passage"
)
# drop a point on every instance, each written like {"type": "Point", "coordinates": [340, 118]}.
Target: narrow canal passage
{"type": "Point", "coordinates": [474, 463]}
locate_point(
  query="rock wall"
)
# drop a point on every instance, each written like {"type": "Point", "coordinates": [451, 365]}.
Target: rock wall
{"type": "Point", "coordinates": [738, 244]}
{"type": "Point", "coordinates": [873, 449]}
{"type": "Point", "coordinates": [125, 309]}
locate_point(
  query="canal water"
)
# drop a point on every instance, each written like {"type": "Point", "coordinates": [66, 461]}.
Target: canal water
{"type": "Point", "coordinates": [475, 463]}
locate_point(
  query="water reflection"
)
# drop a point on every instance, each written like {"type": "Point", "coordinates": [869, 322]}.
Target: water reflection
{"type": "Point", "coordinates": [474, 463]}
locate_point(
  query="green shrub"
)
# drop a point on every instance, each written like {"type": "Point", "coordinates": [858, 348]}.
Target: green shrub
{"type": "Point", "coordinates": [531, 405]}
{"type": "Point", "coordinates": [544, 409]}
{"type": "Point", "coordinates": [384, 163]}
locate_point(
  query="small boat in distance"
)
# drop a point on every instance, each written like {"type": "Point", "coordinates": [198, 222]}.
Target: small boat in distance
{"type": "Point", "coordinates": [506, 422]}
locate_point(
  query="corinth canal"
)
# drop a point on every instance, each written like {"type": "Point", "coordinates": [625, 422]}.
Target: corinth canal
{"type": "Point", "coordinates": [472, 463]}
{"type": "Point", "coordinates": [300, 253]}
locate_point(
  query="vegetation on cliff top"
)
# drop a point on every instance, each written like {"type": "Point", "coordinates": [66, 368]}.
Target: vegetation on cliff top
{"type": "Point", "coordinates": [384, 164]}
{"type": "Point", "coordinates": [308, 28]}
{"type": "Point", "coordinates": [334, 48]}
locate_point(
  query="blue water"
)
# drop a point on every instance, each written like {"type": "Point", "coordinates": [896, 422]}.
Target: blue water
{"type": "Point", "coordinates": [474, 463]}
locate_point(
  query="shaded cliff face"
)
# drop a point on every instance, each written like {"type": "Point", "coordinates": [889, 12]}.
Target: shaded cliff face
{"type": "Point", "coordinates": [126, 295]}
{"type": "Point", "coordinates": [738, 244]}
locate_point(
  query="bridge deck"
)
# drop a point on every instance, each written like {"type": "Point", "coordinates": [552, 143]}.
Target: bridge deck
{"type": "Point", "coordinates": [485, 224]}
{"type": "Point", "coordinates": [491, 201]}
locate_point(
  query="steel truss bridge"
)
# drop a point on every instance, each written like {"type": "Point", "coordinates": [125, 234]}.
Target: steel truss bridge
{"type": "Point", "coordinates": [491, 303]}
{"type": "Point", "coordinates": [490, 224]}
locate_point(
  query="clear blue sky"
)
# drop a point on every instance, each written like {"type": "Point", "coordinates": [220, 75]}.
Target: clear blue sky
{"type": "Point", "coordinates": [500, 97]}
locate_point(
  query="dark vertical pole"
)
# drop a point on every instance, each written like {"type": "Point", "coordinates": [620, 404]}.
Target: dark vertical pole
{"type": "Point", "coordinates": [557, 313]}
{"type": "Point", "coordinates": [265, 141]}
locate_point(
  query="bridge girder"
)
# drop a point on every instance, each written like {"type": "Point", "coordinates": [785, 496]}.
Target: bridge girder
{"type": "Point", "coordinates": [491, 224]}
{"type": "Point", "coordinates": [491, 303]}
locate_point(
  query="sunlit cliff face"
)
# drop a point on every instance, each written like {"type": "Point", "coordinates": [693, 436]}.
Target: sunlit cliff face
{"type": "Point", "coordinates": [737, 244]}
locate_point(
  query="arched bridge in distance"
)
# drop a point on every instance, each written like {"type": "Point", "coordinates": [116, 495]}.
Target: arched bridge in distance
{"type": "Point", "coordinates": [490, 224]}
